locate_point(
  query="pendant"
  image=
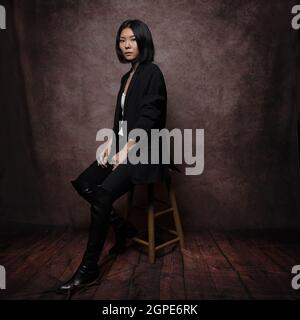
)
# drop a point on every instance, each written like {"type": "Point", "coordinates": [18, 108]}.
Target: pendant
{"type": "Point", "coordinates": [121, 132]}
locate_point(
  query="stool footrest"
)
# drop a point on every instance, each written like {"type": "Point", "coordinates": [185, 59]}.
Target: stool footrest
{"type": "Point", "coordinates": [146, 243]}
{"type": "Point", "coordinates": [169, 230]}
{"type": "Point", "coordinates": [167, 243]}
{"type": "Point", "coordinates": [141, 241]}
{"type": "Point", "coordinates": [159, 213]}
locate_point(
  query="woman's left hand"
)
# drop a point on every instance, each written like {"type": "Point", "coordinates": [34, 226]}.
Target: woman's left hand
{"type": "Point", "coordinates": [119, 158]}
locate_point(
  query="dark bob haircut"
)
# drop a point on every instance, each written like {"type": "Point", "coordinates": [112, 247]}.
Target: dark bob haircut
{"type": "Point", "coordinates": [143, 38]}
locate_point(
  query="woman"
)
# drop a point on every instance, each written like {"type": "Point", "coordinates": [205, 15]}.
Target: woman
{"type": "Point", "coordinates": [142, 102]}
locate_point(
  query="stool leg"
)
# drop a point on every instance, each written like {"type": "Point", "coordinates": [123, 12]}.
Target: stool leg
{"type": "Point", "coordinates": [151, 229]}
{"type": "Point", "coordinates": [176, 217]}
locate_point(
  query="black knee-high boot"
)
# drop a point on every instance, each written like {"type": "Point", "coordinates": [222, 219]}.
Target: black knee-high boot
{"type": "Point", "coordinates": [88, 270]}
{"type": "Point", "coordinates": [122, 230]}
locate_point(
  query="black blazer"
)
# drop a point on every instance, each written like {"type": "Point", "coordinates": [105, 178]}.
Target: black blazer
{"type": "Point", "coordinates": [145, 107]}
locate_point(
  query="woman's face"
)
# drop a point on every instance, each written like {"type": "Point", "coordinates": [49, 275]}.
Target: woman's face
{"type": "Point", "coordinates": [128, 44]}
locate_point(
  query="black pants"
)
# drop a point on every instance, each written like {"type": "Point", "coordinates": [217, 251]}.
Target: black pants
{"type": "Point", "coordinates": [116, 182]}
{"type": "Point", "coordinates": [101, 186]}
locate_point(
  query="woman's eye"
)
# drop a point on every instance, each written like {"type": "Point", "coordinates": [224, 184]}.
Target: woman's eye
{"type": "Point", "coordinates": [121, 40]}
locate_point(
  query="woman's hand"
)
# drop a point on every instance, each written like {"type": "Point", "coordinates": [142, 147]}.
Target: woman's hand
{"type": "Point", "coordinates": [103, 155]}
{"type": "Point", "coordinates": [120, 157]}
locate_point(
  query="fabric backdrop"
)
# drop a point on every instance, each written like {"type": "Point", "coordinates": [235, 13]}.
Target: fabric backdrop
{"type": "Point", "coordinates": [231, 68]}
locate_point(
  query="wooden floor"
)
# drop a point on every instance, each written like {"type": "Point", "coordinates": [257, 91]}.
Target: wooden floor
{"type": "Point", "coordinates": [214, 265]}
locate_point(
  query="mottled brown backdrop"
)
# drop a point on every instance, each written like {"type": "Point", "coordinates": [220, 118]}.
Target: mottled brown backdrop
{"type": "Point", "coordinates": [230, 69]}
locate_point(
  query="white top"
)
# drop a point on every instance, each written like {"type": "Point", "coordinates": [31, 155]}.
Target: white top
{"type": "Point", "coordinates": [122, 106]}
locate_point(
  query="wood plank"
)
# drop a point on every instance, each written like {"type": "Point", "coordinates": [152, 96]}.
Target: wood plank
{"type": "Point", "coordinates": [48, 276]}
{"type": "Point", "coordinates": [281, 256]}
{"type": "Point", "coordinates": [226, 279]}
{"type": "Point", "coordinates": [171, 277]}
{"type": "Point", "coordinates": [267, 285]}
{"type": "Point", "coordinates": [21, 246]}
{"type": "Point", "coordinates": [145, 282]}
{"type": "Point", "coordinates": [252, 253]}
{"type": "Point", "coordinates": [26, 268]}
{"type": "Point", "coordinates": [211, 253]}
{"type": "Point", "coordinates": [284, 253]}
{"type": "Point", "coordinates": [116, 283]}
{"type": "Point", "coordinates": [214, 265]}
{"type": "Point", "coordinates": [239, 260]}
{"type": "Point", "coordinates": [198, 281]}
{"type": "Point", "coordinates": [261, 276]}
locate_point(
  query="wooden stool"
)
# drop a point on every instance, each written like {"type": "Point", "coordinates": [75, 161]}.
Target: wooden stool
{"type": "Point", "coordinates": [152, 248]}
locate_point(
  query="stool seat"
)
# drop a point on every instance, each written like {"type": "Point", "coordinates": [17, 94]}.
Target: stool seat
{"type": "Point", "coordinates": [152, 215]}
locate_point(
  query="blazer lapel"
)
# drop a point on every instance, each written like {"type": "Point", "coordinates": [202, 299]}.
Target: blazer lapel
{"type": "Point", "coordinates": [131, 84]}
{"type": "Point", "coordinates": [129, 90]}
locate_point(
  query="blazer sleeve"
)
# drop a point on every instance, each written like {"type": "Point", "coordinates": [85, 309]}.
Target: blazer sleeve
{"type": "Point", "coordinates": [153, 102]}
